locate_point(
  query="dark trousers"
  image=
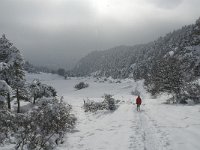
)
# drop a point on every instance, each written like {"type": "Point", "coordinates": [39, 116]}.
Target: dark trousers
{"type": "Point", "coordinates": [138, 107]}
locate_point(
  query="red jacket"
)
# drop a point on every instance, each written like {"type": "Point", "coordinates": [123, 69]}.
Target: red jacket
{"type": "Point", "coordinates": [138, 100]}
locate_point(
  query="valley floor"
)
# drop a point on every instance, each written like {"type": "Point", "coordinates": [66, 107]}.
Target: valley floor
{"type": "Point", "coordinates": [156, 127]}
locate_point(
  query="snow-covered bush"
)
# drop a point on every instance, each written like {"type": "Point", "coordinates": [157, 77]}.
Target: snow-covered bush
{"type": "Point", "coordinates": [44, 126]}
{"type": "Point", "coordinates": [191, 91]}
{"type": "Point", "coordinates": [38, 90]}
{"type": "Point", "coordinates": [109, 103]}
{"type": "Point", "coordinates": [81, 85]}
{"type": "Point", "coordinates": [93, 106]}
{"type": "Point", "coordinates": [6, 125]}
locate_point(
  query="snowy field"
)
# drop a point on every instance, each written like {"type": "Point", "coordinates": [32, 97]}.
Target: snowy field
{"type": "Point", "coordinates": [157, 127]}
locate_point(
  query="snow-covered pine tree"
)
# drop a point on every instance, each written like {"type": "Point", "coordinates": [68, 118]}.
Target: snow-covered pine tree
{"type": "Point", "coordinates": [167, 77]}
{"type": "Point", "coordinates": [13, 74]}
{"type": "Point", "coordinates": [35, 90]}
{"type": "Point", "coordinates": [18, 75]}
{"type": "Point", "coordinates": [5, 45]}
{"type": "Point", "coordinates": [18, 83]}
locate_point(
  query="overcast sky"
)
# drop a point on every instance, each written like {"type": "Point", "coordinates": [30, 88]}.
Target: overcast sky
{"type": "Point", "coordinates": [59, 32]}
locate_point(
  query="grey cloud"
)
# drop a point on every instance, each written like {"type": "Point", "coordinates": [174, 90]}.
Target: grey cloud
{"type": "Point", "coordinates": [59, 35]}
{"type": "Point", "coordinates": [166, 4]}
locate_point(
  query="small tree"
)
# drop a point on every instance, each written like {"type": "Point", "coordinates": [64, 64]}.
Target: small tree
{"type": "Point", "coordinates": [61, 72]}
{"type": "Point", "coordinates": [167, 77]}
{"type": "Point", "coordinates": [39, 90]}
{"type": "Point", "coordinates": [18, 82]}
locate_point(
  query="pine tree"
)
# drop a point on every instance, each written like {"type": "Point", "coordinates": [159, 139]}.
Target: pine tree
{"type": "Point", "coordinates": [18, 83]}
{"type": "Point", "coordinates": [167, 77]}
{"type": "Point", "coordinates": [13, 74]}
{"type": "Point", "coordinates": [5, 45]}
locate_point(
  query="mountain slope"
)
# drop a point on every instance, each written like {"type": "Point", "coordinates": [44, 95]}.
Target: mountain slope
{"type": "Point", "coordinates": [138, 61]}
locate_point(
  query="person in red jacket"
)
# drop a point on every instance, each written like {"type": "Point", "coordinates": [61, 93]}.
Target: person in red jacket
{"type": "Point", "coordinates": [138, 102]}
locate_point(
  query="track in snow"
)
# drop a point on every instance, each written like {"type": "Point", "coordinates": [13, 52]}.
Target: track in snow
{"type": "Point", "coordinates": [123, 129]}
{"type": "Point", "coordinates": [158, 126]}
{"type": "Point", "coordinates": [146, 134]}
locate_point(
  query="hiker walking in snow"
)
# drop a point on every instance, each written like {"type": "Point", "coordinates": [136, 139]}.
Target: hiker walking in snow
{"type": "Point", "coordinates": [138, 102]}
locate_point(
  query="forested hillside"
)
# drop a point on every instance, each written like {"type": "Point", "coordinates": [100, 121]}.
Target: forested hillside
{"type": "Point", "coordinates": [166, 64]}
{"type": "Point", "coordinates": [137, 61]}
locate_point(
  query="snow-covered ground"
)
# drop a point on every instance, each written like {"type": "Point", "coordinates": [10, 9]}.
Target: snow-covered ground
{"type": "Point", "coordinates": [157, 127]}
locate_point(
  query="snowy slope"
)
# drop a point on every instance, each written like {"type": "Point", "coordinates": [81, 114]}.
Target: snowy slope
{"type": "Point", "coordinates": [157, 127]}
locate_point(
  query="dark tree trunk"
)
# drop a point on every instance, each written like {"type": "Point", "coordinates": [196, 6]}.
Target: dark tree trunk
{"type": "Point", "coordinates": [34, 98]}
{"type": "Point", "coordinates": [18, 103]}
{"type": "Point", "coordinates": [8, 101]}
{"type": "Point", "coordinates": [8, 96]}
